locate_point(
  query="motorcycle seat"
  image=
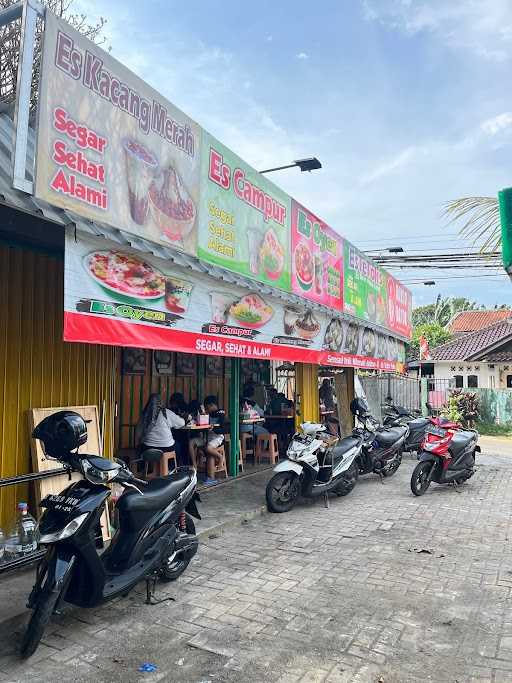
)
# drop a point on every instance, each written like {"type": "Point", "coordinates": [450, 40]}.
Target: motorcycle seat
{"type": "Point", "coordinates": [418, 423]}
{"type": "Point", "coordinates": [387, 437]}
{"type": "Point", "coordinates": [344, 446]}
{"type": "Point", "coordinates": [156, 495]}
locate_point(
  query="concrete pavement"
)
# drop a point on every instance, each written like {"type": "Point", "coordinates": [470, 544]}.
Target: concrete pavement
{"type": "Point", "coordinates": [381, 586]}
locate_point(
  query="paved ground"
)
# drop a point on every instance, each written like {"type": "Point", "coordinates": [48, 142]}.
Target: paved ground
{"type": "Point", "coordinates": [338, 594]}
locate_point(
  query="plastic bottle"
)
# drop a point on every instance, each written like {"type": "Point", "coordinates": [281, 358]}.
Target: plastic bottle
{"type": "Point", "coordinates": [23, 539]}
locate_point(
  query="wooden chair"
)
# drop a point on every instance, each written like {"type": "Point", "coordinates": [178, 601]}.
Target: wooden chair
{"type": "Point", "coordinates": [267, 447]}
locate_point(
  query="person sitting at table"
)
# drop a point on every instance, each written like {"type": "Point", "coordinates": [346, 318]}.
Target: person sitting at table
{"type": "Point", "coordinates": [154, 428]}
{"type": "Point", "coordinates": [248, 399]}
{"type": "Point", "coordinates": [177, 404]}
{"type": "Point", "coordinates": [214, 440]}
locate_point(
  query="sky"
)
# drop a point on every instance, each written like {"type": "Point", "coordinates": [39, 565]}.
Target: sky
{"type": "Point", "coordinates": [406, 103]}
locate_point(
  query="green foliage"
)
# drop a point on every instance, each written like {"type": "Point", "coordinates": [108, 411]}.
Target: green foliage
{"type": "Point", "coordinates": [462, 406]}
{"type": "Point", "coordinates": [493, 429]}
{"type": "Point", "coordinates": [434, 333]}
{"type": "Point", "coordinates": [442, 310]}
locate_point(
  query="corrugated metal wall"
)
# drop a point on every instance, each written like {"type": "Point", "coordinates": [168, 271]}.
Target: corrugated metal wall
{"type": "Point", "coordinates": [37, 369]}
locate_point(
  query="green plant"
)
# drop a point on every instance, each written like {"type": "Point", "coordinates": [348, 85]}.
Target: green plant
{"type": "Point", "coordinates": [493, 429]}
{"type": "Point", "coordinates": [462, 406]}
{"type": "Point", "coordinates": [434, 333]}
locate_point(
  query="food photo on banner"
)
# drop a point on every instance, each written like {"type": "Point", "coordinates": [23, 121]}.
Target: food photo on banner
{"type": "Point", "coordinates": [110, 148]}
{"type": "Point", "coordinates": [365, 294]}
{"type": "Point", "coordinates": [244, 219]}
{"type": "Point", "coordinates": [122, 297]}
{"type": "Point", "coordinates": [316, 259]}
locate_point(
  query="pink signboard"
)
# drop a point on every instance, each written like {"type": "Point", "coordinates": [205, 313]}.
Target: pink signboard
{"type": "Point", "coordinates": [399, 307]}
{"type": "Point", "coordinates": [317, 259]}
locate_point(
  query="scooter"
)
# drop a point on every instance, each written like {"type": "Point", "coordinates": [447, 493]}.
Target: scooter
{"type": "Point", "coordinates": [317, 464]}
{"type": "Point", "coordinates": [447, 456]}
{"type": "Point", "coordinates": [382, 448]}
{"type": "Point", "coordinates": [155, 539]}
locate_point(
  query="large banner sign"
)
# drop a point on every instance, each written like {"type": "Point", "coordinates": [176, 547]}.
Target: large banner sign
{"type": "Point", "coordinates": [110, 148]}
{"type": "Point", "coordinates": [317, 259]}
{"type": "Point", "coordinates": [123, 298]}
{"type": "Point", "coordinates": [244, 220]}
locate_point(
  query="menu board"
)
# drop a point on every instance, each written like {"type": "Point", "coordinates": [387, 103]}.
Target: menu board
{"type": "Point", "coordinates": [365, 293]}
{"type": "Point", "coordinates": [244, 221]}
{"type": "Point", "coordinates": [317, 259]}
{"type": "Point", "coordinates": [110, 148]}
{"type": "Point", "coordinates": [124, 298]}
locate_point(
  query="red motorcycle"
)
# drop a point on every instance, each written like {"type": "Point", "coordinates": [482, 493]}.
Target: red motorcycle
{"type": "Point", "coordinates": [447, 455]}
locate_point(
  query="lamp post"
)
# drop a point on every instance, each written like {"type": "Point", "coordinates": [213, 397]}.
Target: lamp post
{"type": "Point", "coordinates": [310, 164]}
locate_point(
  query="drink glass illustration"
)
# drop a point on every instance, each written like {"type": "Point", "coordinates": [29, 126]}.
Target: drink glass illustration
{"type": "Point", "coordinates": [220, 305]}
{"type": "Point", "coordinates": [254, 238]}
{"type": "Point", "coordinates": [141, 166]}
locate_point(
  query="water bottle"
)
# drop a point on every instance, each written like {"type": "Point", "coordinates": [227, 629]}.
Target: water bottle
{"type": "Point", "coordinates": [23, 539]}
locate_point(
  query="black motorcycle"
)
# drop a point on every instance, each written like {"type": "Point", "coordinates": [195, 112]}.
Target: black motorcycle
{"type": "Point", "coordinates": [382, 448]}
{"type": "Point", "coordinates": [447, 457]}
{"type": "Point", "coordinates": [397, 416]}
{"type": "Point", "coordinates": [155, 539]}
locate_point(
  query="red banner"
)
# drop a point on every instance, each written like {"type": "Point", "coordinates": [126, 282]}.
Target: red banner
{"type": "Point", "coordinates": [92, 329]}
{"type": "Point", "coordinates": [399, 307]}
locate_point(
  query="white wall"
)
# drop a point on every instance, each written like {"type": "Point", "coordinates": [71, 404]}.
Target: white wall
{"type": "Point", "coordinates": [488, 377]}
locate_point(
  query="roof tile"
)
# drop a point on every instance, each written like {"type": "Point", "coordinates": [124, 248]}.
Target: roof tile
{"type": "Point", "coordinates": [472, 321]}
{"type": "Point", "coordinates": [475, 342]}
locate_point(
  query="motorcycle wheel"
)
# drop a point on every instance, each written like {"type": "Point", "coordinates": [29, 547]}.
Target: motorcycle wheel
{"type": "Point", "coordinates": [38, 622]}
{"type": "Point", "coordinates": [348, 481]}
{"type": "Point", "coordinates": [282, 492]}
{"type": "Point", "coordinates": [175, 565]}
{"type": "Point", "coordinates": [390, 472]}
{"type": "Point", "coordinates": [419, 479]}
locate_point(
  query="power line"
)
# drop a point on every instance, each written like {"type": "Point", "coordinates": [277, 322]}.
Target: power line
{"type": "Point", "coordinates": [496, 278]}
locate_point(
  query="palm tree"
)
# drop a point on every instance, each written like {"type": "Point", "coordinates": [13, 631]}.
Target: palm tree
{"type": "Point", "coordinates": [481, 220]}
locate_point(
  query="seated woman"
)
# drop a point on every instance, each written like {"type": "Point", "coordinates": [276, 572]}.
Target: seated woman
{"type": "Point", "coordinates": [154, 429]}
{"type": "Point", "coordinates": [214, 441]}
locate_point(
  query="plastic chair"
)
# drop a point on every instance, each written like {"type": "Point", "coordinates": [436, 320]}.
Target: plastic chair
{"type": "Point", "coordinates": [246, 438]}
{"type": "Point", "coordinates": [227, 443]}
{"type": "Point", "coordinates": [267, 447]}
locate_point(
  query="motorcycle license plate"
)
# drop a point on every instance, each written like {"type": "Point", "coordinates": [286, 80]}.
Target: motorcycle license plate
{"type": "Point", "coordinates": [436, 431]}
{"type": "Point", "coordinates": [58, 502]}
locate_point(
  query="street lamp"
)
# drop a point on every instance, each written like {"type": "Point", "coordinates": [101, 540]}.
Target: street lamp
{"type": "Point", "coordinates": [310, 164]}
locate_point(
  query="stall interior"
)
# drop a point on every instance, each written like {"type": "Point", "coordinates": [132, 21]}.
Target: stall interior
{"type": "Point", "coordinates": [196, 389]}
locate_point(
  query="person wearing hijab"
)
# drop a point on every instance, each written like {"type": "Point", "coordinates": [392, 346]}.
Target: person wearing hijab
{"type": "Point", "coordinates": [154, 429]}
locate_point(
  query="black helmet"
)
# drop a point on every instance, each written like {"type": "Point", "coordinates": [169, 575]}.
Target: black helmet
{"type": "Point", "coordinates": [359, 406]}
{"type": "Point", "coordinates": [61, 433]}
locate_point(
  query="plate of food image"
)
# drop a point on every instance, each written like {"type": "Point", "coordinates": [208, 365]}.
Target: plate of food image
{"type": "Point", "coordinates": [272, 255]}
{"type": "Point", "coordinates": [304, 266]}
{"type": "Point", "coordinates": [125, 274]}
{"type": "Point", "coordinates": [369, 343]}
{"type": "Point", "coordinates": [251, 311]}
{"type": "Point", "coordinates": [308, 326]}
{"type": "Point", "coordinates": [333, 337]}
{"type": "Point", "coordinates": [352, 339]}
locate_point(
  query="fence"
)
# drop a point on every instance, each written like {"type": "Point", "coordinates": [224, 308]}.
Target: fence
{"type": "Point", "coordinates": [402, 391]}
{"type": "Point", "coordinates": [495, 404]}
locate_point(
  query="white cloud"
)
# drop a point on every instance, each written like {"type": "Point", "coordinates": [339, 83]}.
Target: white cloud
{"type": "Point", "coordinates": [482, 26]}
{"type": "Point", "coordinates": [269, 38]}
{"type": "Point", "coordinates": [387, 167]}
{"type": "Point", "coordinates": [498, 123]}
{"type": "Point", "coordinates": [302, 55]}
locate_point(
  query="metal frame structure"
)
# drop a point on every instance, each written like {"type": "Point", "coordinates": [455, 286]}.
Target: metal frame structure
{"type": "Point", "coordinates": [29, 11]}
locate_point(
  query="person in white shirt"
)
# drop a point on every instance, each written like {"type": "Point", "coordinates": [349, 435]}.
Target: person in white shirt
{"type": "Point", "coordinates": [154, 429]}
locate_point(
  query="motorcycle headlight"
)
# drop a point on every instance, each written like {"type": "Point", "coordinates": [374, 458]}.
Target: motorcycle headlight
{"type": "Point", "coordinates": [97, 476]}
{"type": "Point", "coordinates": [70, 528]}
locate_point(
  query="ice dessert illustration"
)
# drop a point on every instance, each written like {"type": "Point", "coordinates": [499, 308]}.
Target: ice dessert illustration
{"type": "Point", "coordinates": [304, 266]}
{"type": "Point", "coordinates": [220, 303]}
{"type": "Point", "coordinates": [125, 274]}
{"type": "Point", "coordinates": [141, 166]}
{"type": "Point", "coordinates": [272, 255]}
{"type": "Point", "coordinates": [171, 206]}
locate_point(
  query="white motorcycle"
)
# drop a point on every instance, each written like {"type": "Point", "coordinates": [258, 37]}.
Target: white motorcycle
{"type": "Point", "coordinates": [317, 464]}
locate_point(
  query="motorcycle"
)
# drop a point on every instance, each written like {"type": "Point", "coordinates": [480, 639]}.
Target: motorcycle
{"type": "Point", "coordinates": [155, 539]}
{"type": "Point", "coordinates": [447, 456]}
{"type": "Point", "coordinates": [398, 416]}
{"type": "Point", "coordinates": [317, 464]}
{"type": "Point", "coordinates": [382, 448]}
